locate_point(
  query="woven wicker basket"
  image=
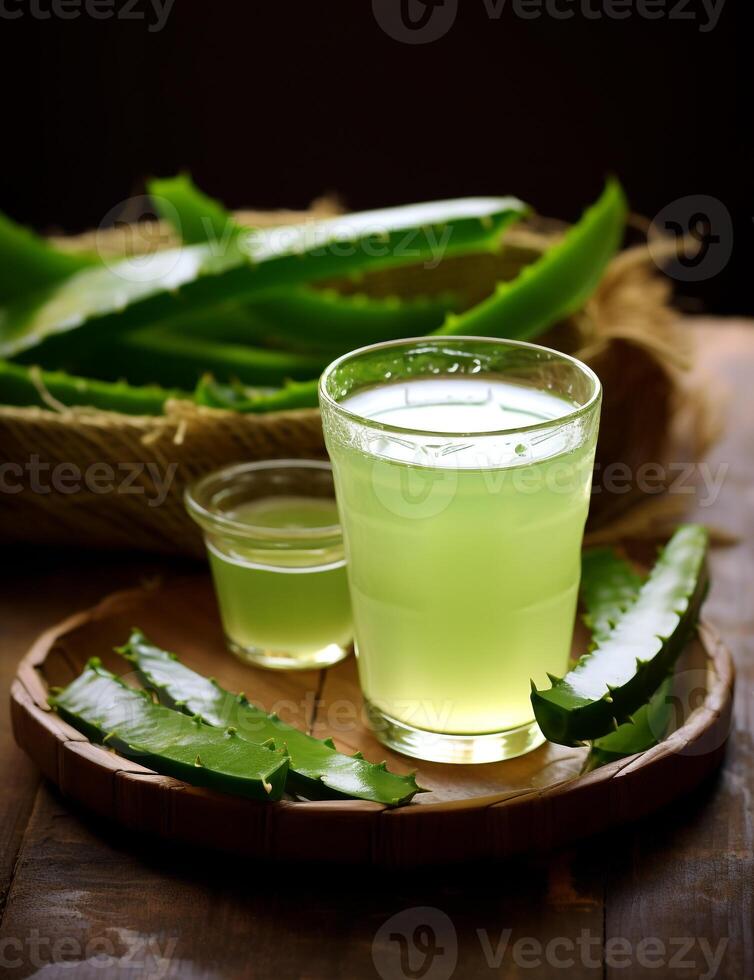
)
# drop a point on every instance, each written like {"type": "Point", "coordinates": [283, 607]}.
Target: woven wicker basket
{"type": "Point", "coordinates": [627, 333]}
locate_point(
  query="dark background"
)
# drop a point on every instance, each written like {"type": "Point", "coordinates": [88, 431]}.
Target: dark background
{"type": "Point", "coordinates": [272, 104]}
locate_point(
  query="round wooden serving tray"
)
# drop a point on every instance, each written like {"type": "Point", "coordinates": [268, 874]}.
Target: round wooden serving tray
{"type": "Point", "coordinates": [534, 802]}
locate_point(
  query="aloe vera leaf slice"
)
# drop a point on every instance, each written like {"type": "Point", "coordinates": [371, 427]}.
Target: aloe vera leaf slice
{"type": "Point", "coordinates": [647, 727]}
{"type": "Point", "coordinates": [304, 316]}
{"type": "Point", "coordinates": [120, 296]}
{"type": "Point", "coordinates": [144, 356]}
{"type": "Point", "coordinates": [240, 398]}
{"type": "Point", "coordinates": [622, 672]}
{"type": "Point", "coordinates": [101, 706]}
{"type": "Point", "coordinates": [28, 262]}
{"type": "Point", "coordinates": [609, 586]}
{"type": "Point", "coordinates": [29, 386]}
{"type": "Point", "coordinates": [557, 284]}
{"type": "Point", "coordinates": [316, 771]}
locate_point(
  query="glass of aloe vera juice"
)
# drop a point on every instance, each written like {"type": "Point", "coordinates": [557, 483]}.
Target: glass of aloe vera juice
{"type": "Point", "coordinates": [463, 470]}
{"type": "Point", "coordinates": [275, 549]}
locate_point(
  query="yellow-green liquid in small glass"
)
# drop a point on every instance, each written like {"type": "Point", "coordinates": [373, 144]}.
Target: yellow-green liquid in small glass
{"type": "Point", "coordinates": [284, 602]}
{"type": "Point", "coordinates": [464, 573]}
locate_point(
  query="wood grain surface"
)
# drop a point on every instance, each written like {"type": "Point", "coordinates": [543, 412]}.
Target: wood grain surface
{"type": "Point", "coordinates": [670, 896]}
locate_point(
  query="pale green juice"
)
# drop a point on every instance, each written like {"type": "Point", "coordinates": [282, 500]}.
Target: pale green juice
{"type": "Point", "coordinates": [282, 603]}
{"type": "Point", "coordinates": [464, 558]}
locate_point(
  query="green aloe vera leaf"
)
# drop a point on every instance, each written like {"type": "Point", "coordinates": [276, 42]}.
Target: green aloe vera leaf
{"type": "Point", "coordinates": [240, 398]}
{"type": "Point", "coordinates": [28, 262]}
{"type": "Point", "coordinates": [145, 356]}
{"type": "Point", "coordinates": [195, 217]}
{"type": "Point", "coordinates": [309, 317]}
{"type": "Point", "coordinates": [622, 672]}
{"type": "Point", "coordinates": [647, 727]}
{"type": "Point", "coordinates": [609, 587]}
{"type": "Point", "coordinates": [316, 771]}
{"type": "Point", "coordinates": [326, 319]}
{"type": "Point", "coordinates": [557, 284]}
{"type": "Point", "coordinates": [125, 295]}
{"type": "Point", "coordinates": [101, 706]}
{"type": "Point", "coordinates": [28, 386]}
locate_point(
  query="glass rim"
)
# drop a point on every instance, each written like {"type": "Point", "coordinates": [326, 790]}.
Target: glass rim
{"type": "Point", "coordinates": [204, 516]}
{"type": "Point", "coordinates": [582, 410]}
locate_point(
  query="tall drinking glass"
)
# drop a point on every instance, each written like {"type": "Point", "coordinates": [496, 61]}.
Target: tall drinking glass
{"type": "Point", "coordinates": [463, 470]}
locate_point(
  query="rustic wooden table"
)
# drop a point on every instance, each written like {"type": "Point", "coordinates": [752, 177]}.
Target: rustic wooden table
{"type": "Point", "coordinates": [669, 897]}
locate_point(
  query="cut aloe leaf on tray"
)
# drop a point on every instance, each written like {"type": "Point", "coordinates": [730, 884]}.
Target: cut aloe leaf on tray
{"type": "Point", "coordinates": [609, 587]}
{"type": "Point", "coordinates": [317, 770]}
{"type": "Point", "coordinates": [104, 709]}
{"type": "Point", "coordinates": [557, 284]}
{"type": "Point", "coordinates": [131, 293]}
{"type": "Point", "coordinates": [647, 727]}
{"type": "Point", "coordinates": [628, 665]}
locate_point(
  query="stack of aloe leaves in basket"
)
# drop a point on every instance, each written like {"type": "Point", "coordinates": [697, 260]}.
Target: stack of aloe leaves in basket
{"type": "Point", "coordinates": [246, 318]}
{"type": "Point", "coordinates": [614, 698]}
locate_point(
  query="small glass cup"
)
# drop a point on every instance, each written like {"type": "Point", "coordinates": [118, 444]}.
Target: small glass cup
{"type": "Point", "coordinates": [275, 548]}
{"type": "Point", "coordinates": [463, 469]}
